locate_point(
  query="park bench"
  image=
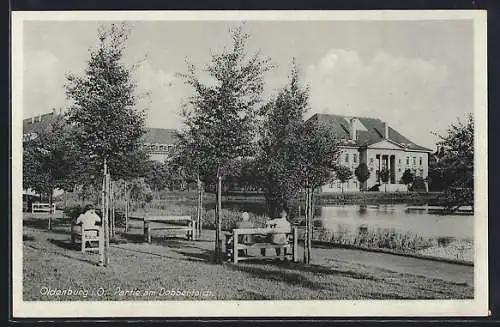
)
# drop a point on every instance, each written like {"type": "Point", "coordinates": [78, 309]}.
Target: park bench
{"type": "Point", "coordinates": [171, 224]}
{"type": "Point", "coordinates": [233, 245]}
{"type": "Point", "coordinates": [86, 234]}
{"type": "Point", "coordinates": [42, 207]}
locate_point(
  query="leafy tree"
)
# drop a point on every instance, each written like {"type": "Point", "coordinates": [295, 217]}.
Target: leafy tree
{"type": "Point", "coordinates": [221, 113]}
{"type": "Point", "coordinates": [362, 174]}
{"type": "Point", "coordinates": [384, 176]}
{"type": "Point", "coordinates": [108, 127]}
{"type": "Point", "coordinates": [48, 158]}
{"type": "Point", "coordinates": [407, 177]}
{"type": "Point", "coordinates": [156, 175]}
{"type": "Point", "coordinates": [457, 164]}
{"type": "Point", "coordinates": [343, 174]}
{"type": "Point", "coordinates": [317, 160]}
{"type": "Point", "coordinates": [280, 144]}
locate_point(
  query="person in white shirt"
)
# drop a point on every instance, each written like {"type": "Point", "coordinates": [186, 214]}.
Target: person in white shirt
{"type": "Point", "coordinates": [88, 219]}
{"type": "Point", "coordinates": [283, 226]}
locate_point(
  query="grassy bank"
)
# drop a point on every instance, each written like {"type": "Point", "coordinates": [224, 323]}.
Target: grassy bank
{"type": "Point", "coordinates": [168, 267]}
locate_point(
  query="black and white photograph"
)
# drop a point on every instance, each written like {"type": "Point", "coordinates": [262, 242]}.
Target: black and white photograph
{"type": "Point", "coordinates": [323, 163]}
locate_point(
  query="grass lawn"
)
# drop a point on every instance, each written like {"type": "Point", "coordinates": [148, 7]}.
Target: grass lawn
{"type": "Point", "coordinates": [170, 264]}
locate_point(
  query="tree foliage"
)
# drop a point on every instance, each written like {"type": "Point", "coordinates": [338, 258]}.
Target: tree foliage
{"type": "Point", "coordinates": [106, 122]}
{"type": "Point", "coordinates": [220, 116]}
{"type": "Point", "coordinates": [362, 174]}
{"type": "Point", "coordinates": [407, 177]}
{"type": "Point", "coordinates": [343, 174]}
{"type": "Point", "coordinates": [48, 157]}
{"type": "Point", "coordinates": [280, 145]}
{"type": "Point", "coordinates": [456, 166]}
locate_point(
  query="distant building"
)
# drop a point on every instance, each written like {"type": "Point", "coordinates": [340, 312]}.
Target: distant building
{"type": "Point", "coordinates": [372, 141]}
{"type": "Point", "coordinates": [158, 141]}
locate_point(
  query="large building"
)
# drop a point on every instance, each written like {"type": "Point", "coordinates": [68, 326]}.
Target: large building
{"type": "Point", "coordinates": [158, 141]}
{"type": "Point", "coordinates": [374, 142]}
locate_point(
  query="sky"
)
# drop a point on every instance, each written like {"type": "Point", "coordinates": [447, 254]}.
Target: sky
{"type": "Point", "coordinates": [415, 75]}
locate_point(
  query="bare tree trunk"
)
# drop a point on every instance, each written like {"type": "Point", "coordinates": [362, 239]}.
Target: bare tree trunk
{"type": "Point", "coordinates": [199, 210]}
{"type": "Point", "coordinates": [126, 206]}
{"type": "Point", "coordinates": [51, 192]}
{"type": "Point", "coordinates": [218, 231]}
{"type": "Point", "coordinates": [308, 220]}
{"type": "Point", "coordinates": [104, 244]}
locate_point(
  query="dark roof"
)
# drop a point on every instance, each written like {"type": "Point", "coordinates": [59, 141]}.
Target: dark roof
{"type": "Point", "coordinates": [30, 123]}
{"type": "Point", "coordinates": [160, 136]}
{"type": "Point", "coordinates": [374, 134]}
{"type": "Point", "coordinates": [152, 135]}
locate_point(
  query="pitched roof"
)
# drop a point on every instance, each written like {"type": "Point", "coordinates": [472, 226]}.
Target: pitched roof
{"type": "Point", "coordinates": [152, 135]}
{"type": "Point", "coordinates": [160, 135]}
{"type": "Point", "coordinates": [374, 132]}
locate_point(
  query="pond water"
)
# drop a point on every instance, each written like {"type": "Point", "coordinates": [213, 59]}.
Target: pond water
{"type": "Point", "coordinates": [395, 217]}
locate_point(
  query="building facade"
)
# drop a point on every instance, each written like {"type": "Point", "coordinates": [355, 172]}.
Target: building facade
{"type": "Point", "coordinates": [158, 141]}
{"type": "Point", "coordinates": [379, 146]}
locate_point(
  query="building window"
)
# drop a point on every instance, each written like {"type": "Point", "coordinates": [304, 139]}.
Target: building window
{"type": "Point", "coordinates": [371, 161]}
{"type": "Point", "coordinates": [399, 161]}
{"type": "Point", "coordinates": [414, 161]}
{"type": "Point", "coordinates": [420, 161]}
{"type": "Point", "coordinates": [355, 157]}
{"type": "Point", "coordinates": [347, 158]}
{"type": "Point", "coordinates": [407, 160]}
{"type": "Point", "coordinates": [399, 170]}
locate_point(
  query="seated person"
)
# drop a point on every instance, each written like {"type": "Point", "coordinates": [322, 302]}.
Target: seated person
{"type": "Point", "coordinates": [245, 239]}
{"type": "Point", "coordinates": [280, 224]}
{"type": "Point", "coordinates": [89, 218]}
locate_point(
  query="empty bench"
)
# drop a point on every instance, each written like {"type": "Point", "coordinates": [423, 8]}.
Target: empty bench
{"type": "Point", "coordinates": [233, 245]}
{"type": "Point", "coordinates": [171, 224]}
{"type": "Point", "coordinates": [42, 207]}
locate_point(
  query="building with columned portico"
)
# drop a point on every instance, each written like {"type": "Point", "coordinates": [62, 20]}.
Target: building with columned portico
{"type": "Point", "coordinates": [374, 142]}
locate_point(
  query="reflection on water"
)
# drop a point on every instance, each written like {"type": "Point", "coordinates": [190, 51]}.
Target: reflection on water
{"type": "Point", "coordinates": [398, 218]}
{"type": "Point", "coordinates": [395, 217]}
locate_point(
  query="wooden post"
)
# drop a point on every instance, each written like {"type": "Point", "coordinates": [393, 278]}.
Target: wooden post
{"type": "Point", "coordinates": [218, 231]}
{"type": "Point", "coordinates": [295, 248]}
{"type": "Point", "coordinates": [126, 206]}
{"type": "Point", "coordinates": [104, 224]}
{"type": "Point", "coordinates": [148, 231]}
{"type": "Point", "coordinates": [235, 246]}
{"type": "Point", "coordinates": [106, 218]}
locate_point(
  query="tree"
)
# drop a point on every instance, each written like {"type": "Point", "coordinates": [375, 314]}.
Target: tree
{"type": "Point", "coordinates": [318, 154]}
{"type": "Point", "coordinates": [384, 176]}
{"type": "Point", "coordinates": [407, 177]}
{"type": "Point", "coordinates": [457, 164]}
{"type": "Point", "coordinates": [343, 174]}
{"type": "Point", "coordinates": [362, 174]}
{"type": "Point", "coordinates": [277, 160]}
{"type": "Point", "coordinates": [48, 158]}
{"type": "Point", "coordinates": [220, 116]}
{"type": "Point", "coordinates": [156, 175]}
{"type": "Point", "coordinates": [108, 126]}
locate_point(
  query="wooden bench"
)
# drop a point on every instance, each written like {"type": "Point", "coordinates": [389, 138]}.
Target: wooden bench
{"type": "Point", "coordinates": [84, 235]}
{"type": "Point", "coordinates": [289, 250]}
{"type": "Point", "coordinates": [42, 207]}
{"type": "Point", "coordinates": [150, 224]}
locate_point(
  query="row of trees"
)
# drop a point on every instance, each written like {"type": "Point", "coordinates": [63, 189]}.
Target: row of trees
{"type": "Point", "coordinates": [229, 132]}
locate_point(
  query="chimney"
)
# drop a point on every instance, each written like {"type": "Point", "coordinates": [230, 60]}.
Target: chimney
{"type": "Point", "coordinates": [353, 130]}
{"type": "Point", "coordinates": [386, 131]}
{"type": "Point", "coordinates": [33, 119]}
